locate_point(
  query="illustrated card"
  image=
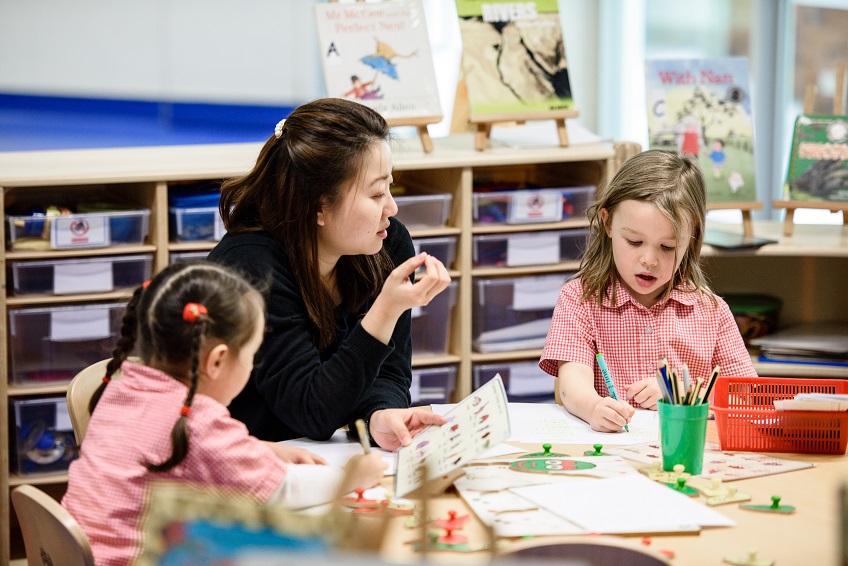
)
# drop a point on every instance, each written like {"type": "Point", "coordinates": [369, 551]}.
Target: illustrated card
{"type": "Point", "coordinates": [475, 424]}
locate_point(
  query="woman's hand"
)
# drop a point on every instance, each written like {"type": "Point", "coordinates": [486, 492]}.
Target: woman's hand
{"type": "Point", "coordinates": [393, 428]}
{"type": "Point", "coordinates": [610, 415]}
{"type": "Point", "coordinates": [293, 455]}
{"type": "Point", "coordinates": [399, 294]}
{"type": "Point", "coordinates": [645, 392]}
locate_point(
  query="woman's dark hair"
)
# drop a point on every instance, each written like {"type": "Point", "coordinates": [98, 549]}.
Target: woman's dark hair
{"type": "Point", "coordinates": [222, 307]}
{"type": "Point", "coordinates": [320, 153]}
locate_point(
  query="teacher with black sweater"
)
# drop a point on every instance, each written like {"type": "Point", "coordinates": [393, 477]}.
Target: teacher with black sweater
{"type": "Point", "coordinates": [311, 224]}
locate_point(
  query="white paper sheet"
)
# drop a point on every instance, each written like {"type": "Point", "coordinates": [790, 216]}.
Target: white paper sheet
{"type": "Point", "coordinates": [339, 449]}
{"type": "Point", "coordinates": [551, 423]}
{"type": "Point", "coordinates": [618, 505]}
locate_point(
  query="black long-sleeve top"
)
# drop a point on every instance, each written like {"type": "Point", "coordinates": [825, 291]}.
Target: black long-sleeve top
{"type": "Point", "coordinates": [295, 390]}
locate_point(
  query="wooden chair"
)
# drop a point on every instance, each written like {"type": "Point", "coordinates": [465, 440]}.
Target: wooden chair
{"type": "Point", "coordinates": [82, 386]}
{"type": "Point", "coordinates": [51, 535]}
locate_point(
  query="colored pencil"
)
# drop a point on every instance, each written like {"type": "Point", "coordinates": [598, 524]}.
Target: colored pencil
{"type": "Point", "coordinates": [363, 436]}
{"type": "Point", "coordinates": [710, 384]}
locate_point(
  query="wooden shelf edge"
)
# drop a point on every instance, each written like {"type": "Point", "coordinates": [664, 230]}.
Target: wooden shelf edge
{"type": "Point", "coordinates": [508, 228]}
{"type": "Point", "coordinates": [525, 270]}
{"type": "Point", "coordinates": [434, 232]}
{"type": "Point", "coordinates": [46, 479]}
{"type": "Point", "coordinates": [517, 355]}
{"type": "Point", "coordinates": [26, 390]}
{"type": "Point", "coordinates": [13, 255]}
{"type": "Point", "coordinates": [38, 300]}
{"type": "Point", "coordinates": [434, 360]}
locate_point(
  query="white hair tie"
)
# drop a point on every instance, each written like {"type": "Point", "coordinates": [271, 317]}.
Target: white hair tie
{"type": "Point", "coordinates": [278, 129]}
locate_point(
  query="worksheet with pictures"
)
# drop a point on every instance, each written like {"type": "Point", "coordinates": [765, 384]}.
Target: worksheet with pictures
{"type": "Point", "coordinates": [475, 424]}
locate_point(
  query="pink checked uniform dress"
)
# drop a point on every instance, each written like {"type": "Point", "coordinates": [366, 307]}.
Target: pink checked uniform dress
{"type": "Point", "coordinates": [687, 328]}
{"type": "Point", "coordinates": [133, 421]}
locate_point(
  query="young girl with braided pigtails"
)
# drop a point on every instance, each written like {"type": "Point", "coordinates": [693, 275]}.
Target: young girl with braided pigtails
{"type": "Point", "coordinates": [197, 327]}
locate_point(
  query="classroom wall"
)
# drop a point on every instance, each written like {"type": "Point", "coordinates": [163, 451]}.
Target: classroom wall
{"type": "Point", "coordinates": [250, 52]}
{"type": "Point", "coordinates": [260, 52]}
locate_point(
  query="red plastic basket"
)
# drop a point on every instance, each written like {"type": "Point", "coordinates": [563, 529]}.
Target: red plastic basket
{"type": "Point", "coordinates": [747, 420]}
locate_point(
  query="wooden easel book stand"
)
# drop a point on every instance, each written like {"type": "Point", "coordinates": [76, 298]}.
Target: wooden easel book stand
{"type": "Point", "coordinates": [483, 123]}
{"type": "Point", "coordinates": [809, 107]}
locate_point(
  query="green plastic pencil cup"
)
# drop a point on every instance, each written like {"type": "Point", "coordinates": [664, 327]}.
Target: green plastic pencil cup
{"type": "Point", "coordinates": [683, 430]}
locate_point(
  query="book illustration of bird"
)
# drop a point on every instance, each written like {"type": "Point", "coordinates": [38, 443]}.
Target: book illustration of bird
{"type": "Point", "coordinates": [381, 59]}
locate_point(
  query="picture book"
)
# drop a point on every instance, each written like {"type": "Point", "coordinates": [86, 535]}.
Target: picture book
{"type": "Point", "coordinates": [475, 424]}
{"type": "Point", "coordinates": [378, 54]}
{"type": "Point", "coordinates": [702, 107]}
{"type": "Point", "coordinates": [818, 160]}
{"type": "Point", "coordinates": [513, 57]}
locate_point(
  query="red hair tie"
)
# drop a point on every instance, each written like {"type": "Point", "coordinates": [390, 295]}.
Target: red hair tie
{"type": "Point", "coordinates": [146, 284]}
{"type": "Point", "coordinates": [192, 312]}
{"type": "Point", "coordinates": [106, 379]}
{"type": "Point", "coordinates": [185, 410]}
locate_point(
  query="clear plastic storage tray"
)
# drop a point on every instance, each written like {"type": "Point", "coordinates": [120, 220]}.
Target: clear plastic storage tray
{"type": "Point", "coordinates": [195, 224]}
{"type": "Point", "coordinates": [83, 230]}
{"type": "Point", "coordinates": [55, 343]}
{"type": "Point", "coordinates": [514, 313]}
{"type": "Point", "coordinates": [424, 211]}
{"type": "Point", "coordinates": [522, 206]}
{"type": "Point", "coordinates": [80, 275]}
{"type": "Point", "coordinates": [533, 248]}
{"type": "Point", "coordinates": [442, 247]}
{"type": "Point", "coordinates": [44, 438]}
{"type": "Point", "coordinates": [431, 323]}
{"type": "Point", "coordinates": [525, 382]}
{"type": "Point", "coordinates": [432, 384]}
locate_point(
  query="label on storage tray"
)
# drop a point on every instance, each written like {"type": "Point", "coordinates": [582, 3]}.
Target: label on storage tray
{"type": "Point", "coordinates": [88, 277]}
{"type": "Point", "coordinates": [78, 325]}
{"type": "Point", "coordinates": [76, 231]}
{"type": "Point", "coordinates": [536, 206]}
{"type": "Point", "coordinates": [532, 249]}
{"type": "Point", "coordinates": [536, 293]}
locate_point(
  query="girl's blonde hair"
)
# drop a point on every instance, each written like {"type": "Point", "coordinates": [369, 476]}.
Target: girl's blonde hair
{"type": "Point", "coordinates": [673, 182]}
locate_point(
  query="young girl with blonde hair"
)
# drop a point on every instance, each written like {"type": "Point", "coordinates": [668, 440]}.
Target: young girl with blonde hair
{"type": "Point", "coordinates": [640, 295]}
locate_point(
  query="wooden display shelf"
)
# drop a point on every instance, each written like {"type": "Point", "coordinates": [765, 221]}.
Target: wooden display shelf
{"type": "Point", "coordinates": [807, 269]}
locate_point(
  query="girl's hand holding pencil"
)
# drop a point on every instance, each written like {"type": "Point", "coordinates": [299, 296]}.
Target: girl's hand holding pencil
{"type": "Point", "coordinates": [363, 470]}
{"type": "Point", "coordinates": [610, 415]}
